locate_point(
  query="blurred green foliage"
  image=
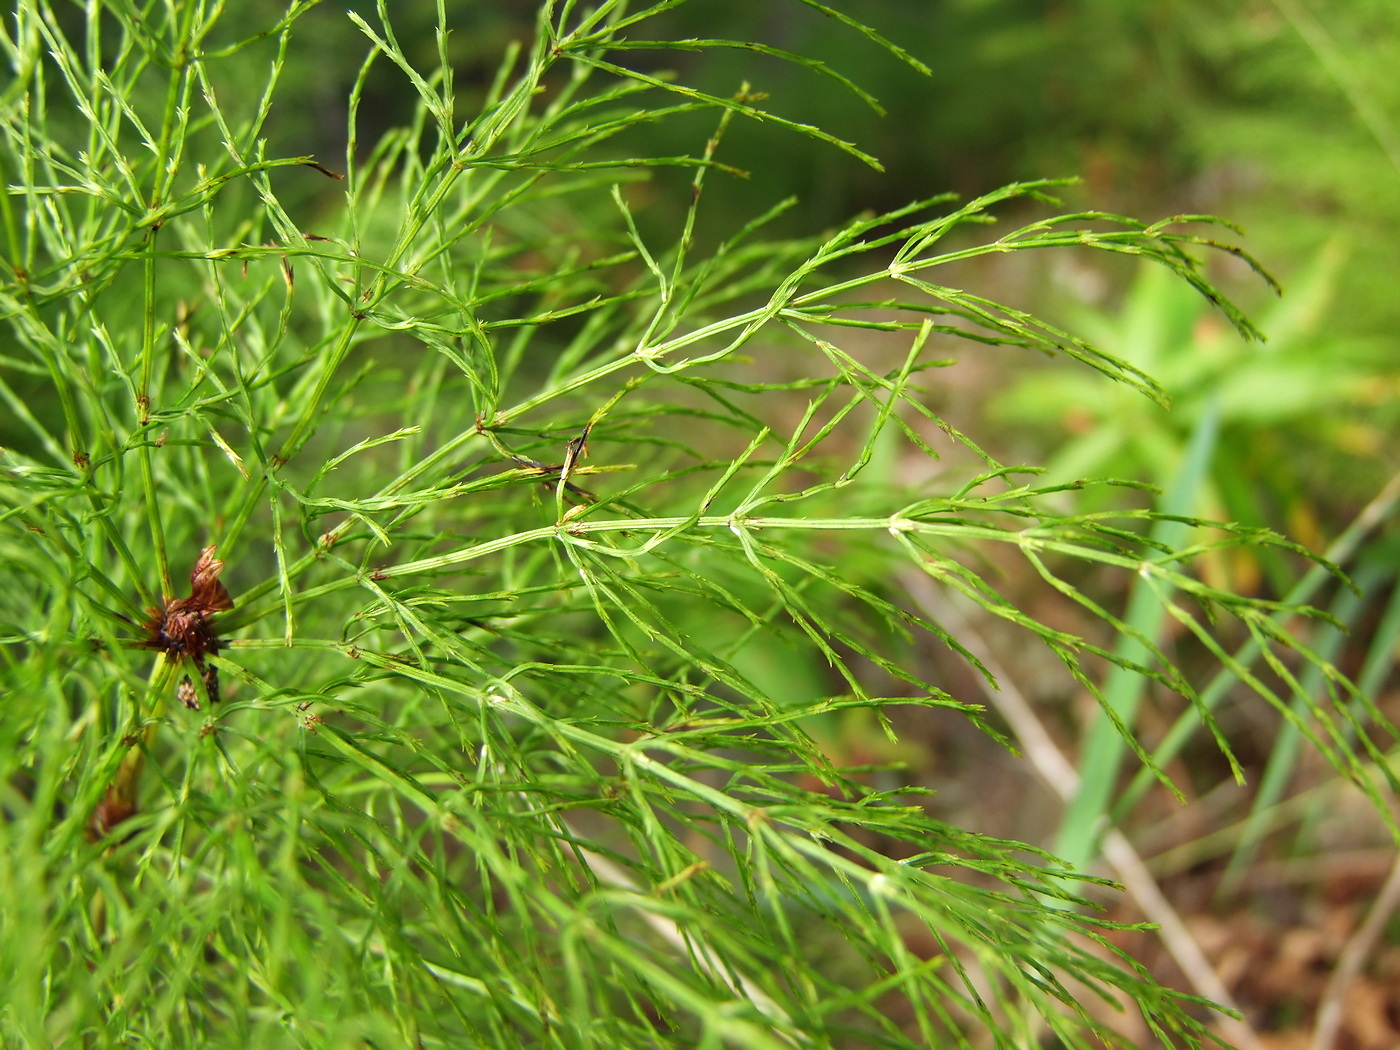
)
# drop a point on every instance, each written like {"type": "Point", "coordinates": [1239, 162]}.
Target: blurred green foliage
{"type": "Point", "coordinates": [1295, 383]}
{"type": "Point", "coordinates": [1278, 113]}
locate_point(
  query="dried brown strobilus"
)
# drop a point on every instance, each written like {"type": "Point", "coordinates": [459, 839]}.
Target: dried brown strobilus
{"type": "Point", "coordinates": [182, 629]}
{"type": "Point", "coordinates": [117, 805]}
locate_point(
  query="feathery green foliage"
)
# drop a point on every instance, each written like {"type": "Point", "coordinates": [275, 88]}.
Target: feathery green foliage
{"type": "Point", "coordinates": [507, 494]}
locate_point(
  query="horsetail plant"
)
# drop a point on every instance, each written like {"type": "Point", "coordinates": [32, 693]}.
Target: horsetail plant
{"type": "Point", "coordinates": [511, 485]}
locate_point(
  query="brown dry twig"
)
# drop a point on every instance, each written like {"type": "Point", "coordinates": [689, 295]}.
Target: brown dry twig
{"type": "Point", "coordinates": [1351, 961]}
{"type": "Point", "coordinates": [1057, 771]}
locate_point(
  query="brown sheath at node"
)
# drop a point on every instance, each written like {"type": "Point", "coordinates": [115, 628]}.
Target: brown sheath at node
{"type": "Point", "coordinates": [182, 629]}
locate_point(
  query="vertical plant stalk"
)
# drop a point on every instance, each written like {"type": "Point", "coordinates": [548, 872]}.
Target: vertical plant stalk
{"type": "Point", "coordinates": [143, 414]}
{"type": "Point", "coordinates": [1088, 811]}
{"type": "Point", "coordinates": [1380, 510]}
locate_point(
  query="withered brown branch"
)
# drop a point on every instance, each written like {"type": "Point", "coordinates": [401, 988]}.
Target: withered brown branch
{"type": "Point", "coordinates": [182, 629]}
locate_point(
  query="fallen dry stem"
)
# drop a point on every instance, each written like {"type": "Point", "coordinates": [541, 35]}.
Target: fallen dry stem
{"type": "Point", "coordinates": [1350, 962]}
{"type": "Point", "coordinates": [1057, 771]}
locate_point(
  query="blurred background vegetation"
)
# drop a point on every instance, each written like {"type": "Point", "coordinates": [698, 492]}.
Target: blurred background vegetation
{"type": "Point", "coordinates": [1275, 114]}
